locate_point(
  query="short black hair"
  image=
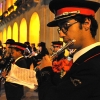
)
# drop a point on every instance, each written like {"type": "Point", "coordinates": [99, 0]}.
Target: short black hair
{"type": "Point", "coordinates": [94, 24]}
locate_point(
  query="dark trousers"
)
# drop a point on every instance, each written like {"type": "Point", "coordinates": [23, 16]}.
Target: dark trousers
{"type": "Point", "coordinates": [13, 91]}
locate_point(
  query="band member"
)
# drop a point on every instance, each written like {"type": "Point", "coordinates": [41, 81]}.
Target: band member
{"type": "Point", "coordinates": [42, 51]}
{"type": "Point", "coordinates": [28, 46]}
{"type": "Point", "coordinates": [75, 19]}
{"type": "Point", "coordinates": [34, 49]}
{"type": "Point", "coordinates": [6, 56]}
{"type": "Point", "coordinates": [1, 49]}
{"type": "Point", "coordinates": [57, 45]}
{"type": "Point", "coordinates": [15, 91]}
{"type": "Point", "coordinates": [5, 60]}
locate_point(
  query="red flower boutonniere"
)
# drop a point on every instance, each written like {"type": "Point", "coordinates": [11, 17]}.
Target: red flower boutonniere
{"type": "Point", "coordinates": [62, 66]}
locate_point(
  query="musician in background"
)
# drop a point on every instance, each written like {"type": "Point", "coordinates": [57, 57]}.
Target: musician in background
{"type": "Point", "coordinates": [15, 91]}
{"type": "Point", "coordinates": [76, 21]}
{"type": "Point", "coordinates": [34, 49]}
{"type": "Point", "coordinates": [42, 51]}
{"type": "Point", "coordinates": [1, 49]}
{"type": "Point", "coordinates": [6, 55]}
{"type": "Point", "coordinates": [28, 46]}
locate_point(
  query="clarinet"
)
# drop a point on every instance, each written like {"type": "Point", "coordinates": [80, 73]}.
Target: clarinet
{"type": "Point", "coordinates": [7, 70]}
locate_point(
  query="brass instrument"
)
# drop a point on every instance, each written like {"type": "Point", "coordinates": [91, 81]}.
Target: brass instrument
{"type": "Point", "coordinates": [59, 51]}
{"type": "Point", "coordinates": [62, 49]}
{"type": "Point", "coordinates": [6, 69]}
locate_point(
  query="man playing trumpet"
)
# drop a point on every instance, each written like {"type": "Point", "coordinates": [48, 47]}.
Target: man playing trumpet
{"type": "Point", "coordinates": [75, 19]}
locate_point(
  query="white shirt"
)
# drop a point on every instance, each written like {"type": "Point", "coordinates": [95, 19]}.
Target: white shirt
{"type": "Point", "coordinates": [84, 50]}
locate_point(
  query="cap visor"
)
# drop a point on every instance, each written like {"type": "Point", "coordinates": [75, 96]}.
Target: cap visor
{"type": "Point", "coordinates": [52, 24]}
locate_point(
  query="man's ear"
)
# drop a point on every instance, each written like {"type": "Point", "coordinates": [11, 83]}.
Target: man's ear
{"type": "Point", "coordinates": [87, 24]}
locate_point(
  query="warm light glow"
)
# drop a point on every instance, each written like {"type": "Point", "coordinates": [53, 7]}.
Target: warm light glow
{"type": "Point", "coordinates": [3, 6]}
{"type": "Point", "coordinates": [15, 32]}
{"type": "Point", "coordinates": [0, 36]}
{"type": "Point", "coordinates": [15, 7]}
{"type": "Point", "coordinates": [13, 1]}
{"type": "Point", "coordinates": [9, 32]}
{"type": "Point", "coordinates": [37, 1]}
{"type": "Point", "coordinates": [4, 36]}
{"type": "Point", "coordinates": [8, 4]}
{"type": "Point", "coordinates": [23, 31]}
{"type": "Point", "coordinates": [34, 29]}
{"type": "Point", "coordinates": [0, 9]}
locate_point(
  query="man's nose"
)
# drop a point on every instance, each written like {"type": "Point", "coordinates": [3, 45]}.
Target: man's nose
{"type": "Point", "coordinates": [61, 34]}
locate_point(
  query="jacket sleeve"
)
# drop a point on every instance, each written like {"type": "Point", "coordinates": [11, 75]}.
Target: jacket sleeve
{"type": "Point", "coordinates": [82, 85]}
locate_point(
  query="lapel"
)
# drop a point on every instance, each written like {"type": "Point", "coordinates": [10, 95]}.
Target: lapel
{"type": "Point", "coordinates": [88, 55]}
{"type": "Point", "coordinates": [77, 65]}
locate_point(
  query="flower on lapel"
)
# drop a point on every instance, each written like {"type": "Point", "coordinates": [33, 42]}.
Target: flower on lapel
{"type": "Point", "coordinates": [62, 65]}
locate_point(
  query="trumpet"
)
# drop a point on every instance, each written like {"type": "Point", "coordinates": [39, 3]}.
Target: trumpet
{"type": "Point", "coordinates": [62, 49]}
{"type": "Point", "coordinates": [59, 51]}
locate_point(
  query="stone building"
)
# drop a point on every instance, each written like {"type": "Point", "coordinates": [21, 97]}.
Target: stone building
{"type": "Point", "coordinates": [25, 20]}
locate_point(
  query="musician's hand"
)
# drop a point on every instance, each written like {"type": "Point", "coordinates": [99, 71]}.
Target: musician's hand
{"type": "Point", "coordinates": [39, 62]}
{"type": "Point", "coordinates": [0, 57]}
{"type": "Point", "coordinates": [45, 62]}
{"type": "Point", "coordinates": [34, 53]}
{"type": "Point", "coordinates": [4, 73]}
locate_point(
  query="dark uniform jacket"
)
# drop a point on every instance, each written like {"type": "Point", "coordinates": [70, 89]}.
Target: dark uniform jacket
{"type": "Point", "coordinates": [39, 57]}
{"type": "Point", "coordinates": [82, 82]}
{"type": "Point", "coordinates": [4, 62]}
{"type": "Point", "coordinates": [15, 91]}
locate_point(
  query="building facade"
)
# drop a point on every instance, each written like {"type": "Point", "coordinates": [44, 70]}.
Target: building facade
{"type": "Point", "coordinates": [26, 20]}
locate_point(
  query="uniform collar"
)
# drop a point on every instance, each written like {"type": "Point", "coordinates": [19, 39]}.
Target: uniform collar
{"type": "Point", "coordinates": [84, 50]}
{"type": "Point", "coordinates": [18, 58]}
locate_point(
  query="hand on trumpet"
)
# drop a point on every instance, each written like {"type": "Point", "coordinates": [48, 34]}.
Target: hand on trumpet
{"type": "Point", "coordinates": [4, 73]}
{"type": "Point", "coordinates": [45, 62]}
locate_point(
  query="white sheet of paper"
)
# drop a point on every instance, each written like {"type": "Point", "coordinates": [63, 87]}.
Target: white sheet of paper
{"type": "Point", "coordinates": [22, 76]}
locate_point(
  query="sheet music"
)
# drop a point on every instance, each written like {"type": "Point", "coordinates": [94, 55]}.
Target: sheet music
{"type": "Point", "coordinates": [22, 76]}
